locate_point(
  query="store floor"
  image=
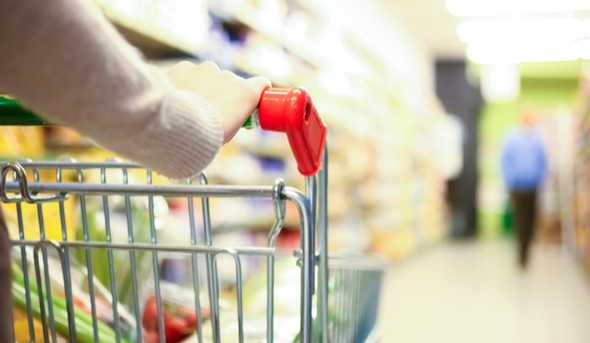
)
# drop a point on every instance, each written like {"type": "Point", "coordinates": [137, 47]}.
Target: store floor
{"type": "Point", "coordinates": [473, 292]}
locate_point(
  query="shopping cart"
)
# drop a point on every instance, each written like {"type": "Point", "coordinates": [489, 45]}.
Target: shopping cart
{"type": "Point", "coordinates": [354, 286]}
{"type": "Point", "coordinates": [46, 273]}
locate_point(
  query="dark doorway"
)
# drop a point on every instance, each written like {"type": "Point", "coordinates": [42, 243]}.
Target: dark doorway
{"type": "Point", "coordinates": [462, 98]}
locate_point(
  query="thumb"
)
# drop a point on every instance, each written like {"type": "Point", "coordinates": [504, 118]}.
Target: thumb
{"type": "Point", "coordinates": [258, 84]}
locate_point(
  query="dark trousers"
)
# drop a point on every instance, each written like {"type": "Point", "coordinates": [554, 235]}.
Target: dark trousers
{"type": "Point", "coordinates": [5, 284]}
{"type": "Point", "coordinates": [524, 205]}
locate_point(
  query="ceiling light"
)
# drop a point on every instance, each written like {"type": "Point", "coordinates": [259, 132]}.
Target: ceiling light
{"type": "Point", "coordinates": [494, 54]}
{"type": "Point", "coordinates": [523, 30]}
{"type": "Point", "coordinates": [486, 8]}
{"type": "Point", "coordinates": [500, 82]}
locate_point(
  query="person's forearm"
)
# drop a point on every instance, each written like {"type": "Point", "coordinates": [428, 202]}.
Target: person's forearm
{"type": "Point", "coordinates": [63, 60]}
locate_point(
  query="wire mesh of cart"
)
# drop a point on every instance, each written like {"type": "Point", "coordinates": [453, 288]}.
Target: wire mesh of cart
{"type": "Point", "coordinates": [354, 286]}
{"type": "Point", "coordinates": [48, 273]}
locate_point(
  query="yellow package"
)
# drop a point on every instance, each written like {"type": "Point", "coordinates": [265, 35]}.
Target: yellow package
{"type": "Point", "coordinates": [21, 142]}
{"type": "Point", "coordinates": [51, 219]}
{"type": "Point", "coordinates": [50, 214]}
{"type": "Point", "coordinates": [31, 141]}
{"type": "Point", "coordinates": [8, 142]}
{"type": "Point", "coordinates": [21, 327]}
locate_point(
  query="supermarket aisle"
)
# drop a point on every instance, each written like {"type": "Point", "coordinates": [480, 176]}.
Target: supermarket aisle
{"type": "Point", "coordinates": [472, 292]}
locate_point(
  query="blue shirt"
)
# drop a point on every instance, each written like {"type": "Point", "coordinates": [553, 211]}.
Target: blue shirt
{"type": "Point", "coordinates": [524, 163]}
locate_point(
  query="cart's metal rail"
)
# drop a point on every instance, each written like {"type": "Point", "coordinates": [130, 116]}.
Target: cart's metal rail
{"type": "Point", "coordinates": [15, 187]}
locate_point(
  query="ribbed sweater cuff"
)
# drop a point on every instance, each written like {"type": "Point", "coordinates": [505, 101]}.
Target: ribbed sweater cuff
{"type": "Point", "coordinates": [191, 136]}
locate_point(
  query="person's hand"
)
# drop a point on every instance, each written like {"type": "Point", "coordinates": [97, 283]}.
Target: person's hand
{"type": "Point", "coordinates": [234, 98]}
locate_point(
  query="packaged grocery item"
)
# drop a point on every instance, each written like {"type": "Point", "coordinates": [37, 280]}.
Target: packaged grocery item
{"type": "Point", "coordinates": [21, 327]}
{"type": "Point", "coordinates": [84, 332]}
{"type": "Point", "coordinates": [51, 222]}
{"type": "Point", "coordinates": [96, 230]}
{"type": "Point", "coordinates": [180, 319]}
{"type": "Point", "coordinates": [18, 141]}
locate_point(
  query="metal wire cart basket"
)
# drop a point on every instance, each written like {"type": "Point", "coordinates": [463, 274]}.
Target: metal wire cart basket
{"type": "Point", "coordinates": [89, 283]}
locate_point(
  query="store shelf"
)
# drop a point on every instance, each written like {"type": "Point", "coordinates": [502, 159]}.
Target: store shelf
{"type": "Point", "coordinates": [250, 18]}
{"type": "Point", "coordinates": [153, 41]}
{"type": "Point", "coordinates": [268, 151]}
{"type": "Point", "coordinates": [369, 145]}
{"type": "Point", "coordinates": [581, 175]}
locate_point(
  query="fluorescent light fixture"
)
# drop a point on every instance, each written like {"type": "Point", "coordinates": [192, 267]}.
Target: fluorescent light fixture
{"type": "Point", "coordinates": [487, 8]}
{"type": "Point", "coordinates": [523, 30]}
{"type": "Point", "coordinates": [500, 82]}
{"type": "Point", "coordinates": [525, 39]}
{"type": "Point", "coordinates": [494, 54]}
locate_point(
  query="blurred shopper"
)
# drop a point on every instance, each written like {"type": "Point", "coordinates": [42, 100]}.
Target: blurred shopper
{"type": "Point", "coordinates": [63, 59]}
{"type": "Point", "coordinates": [524, 166]}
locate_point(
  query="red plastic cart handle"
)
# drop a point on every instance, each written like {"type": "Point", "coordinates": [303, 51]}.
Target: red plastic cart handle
{"type": "Point", "coordinates": [292, 111]}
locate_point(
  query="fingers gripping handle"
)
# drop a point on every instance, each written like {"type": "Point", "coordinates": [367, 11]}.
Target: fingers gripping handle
{"type": "Point", "coordinates": [291, 110]}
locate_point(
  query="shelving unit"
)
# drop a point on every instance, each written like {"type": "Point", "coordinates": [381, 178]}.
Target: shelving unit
{"type": "Point", "coordinates": [152, 40]}
{"type": "Point", "coordinates": [248, 16]}
{"type": "Point", "coordinates": [378, 139]}
{"type": "Point", "coordinates": [581, 180]}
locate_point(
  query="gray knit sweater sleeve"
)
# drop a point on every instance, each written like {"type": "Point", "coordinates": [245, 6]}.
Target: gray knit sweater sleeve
{"type": "Point", "coordinates": [62, 59]}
